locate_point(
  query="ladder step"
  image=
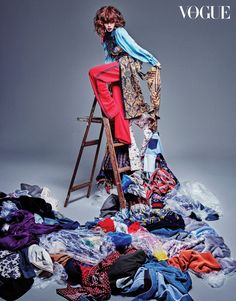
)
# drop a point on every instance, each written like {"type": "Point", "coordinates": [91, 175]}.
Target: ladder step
{"type": "Point", "coordinates": [80, 186]}
{"type": "Point", "coordinates": [94, 119]}
{"type": "Point", "coordinates": [124, 169]}
{"type": "Point", "coordinates": [91, 142]}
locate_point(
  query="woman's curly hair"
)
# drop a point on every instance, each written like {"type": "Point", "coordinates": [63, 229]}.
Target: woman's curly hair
{"type": "Point", "coordinates": [107, 14]}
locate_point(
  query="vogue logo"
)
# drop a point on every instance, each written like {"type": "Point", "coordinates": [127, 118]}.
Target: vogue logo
{"type": "Point", "coordinates": [206, 12]}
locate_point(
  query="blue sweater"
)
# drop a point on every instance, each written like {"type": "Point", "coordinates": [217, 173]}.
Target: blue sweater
{"type": "Point", "coordinates": [127, 43]}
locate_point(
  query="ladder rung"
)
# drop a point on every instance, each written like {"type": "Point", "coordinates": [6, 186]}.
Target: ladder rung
{"type": "Point", "coordinates": [118, 144]}
{"type": "Point", "coordinates": [91, 142]}
{"type": "Point", "coordinates": [94, 119]}
{"type": "Point", "coordinates": [124, 169]}
{"type": "Point", "coordinates": [80, 186]}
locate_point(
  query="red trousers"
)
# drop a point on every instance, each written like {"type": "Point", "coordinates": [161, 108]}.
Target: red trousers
{"type": "Point", "coordinates": [111, 105]}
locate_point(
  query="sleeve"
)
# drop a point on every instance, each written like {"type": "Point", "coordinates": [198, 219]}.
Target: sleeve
{"type": "Point", "coordinates": [127, 43]}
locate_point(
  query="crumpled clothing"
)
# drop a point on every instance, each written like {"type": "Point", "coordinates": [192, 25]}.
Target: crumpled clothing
{"type": "Point", "coordinates": [228, 265]}
{"type": "Point", "coordinates": [7, 209]}
{"type": "Point", "coordinates": [110, 207]}
{"type": "Point", "coordinates": [120, 227]}
{"type": "Point", "coordinates": [134, 227]}
{"type": "Point", "coordinates": [126, 265]}
{"type": "Point", "coordinates": [187, 198]}
{"type": "Point", "coordinates": [40, 258]}
{"type": "Point", "coordinates": [212, 241]}
{"type": "Point", "coordinates": [107, 225]}
{"type": "Point", "coordinates": [86, 246]}
{"type": "Point", "coordinates": [205, 230]}
{"type": "Point", "coordinates": [73, 271]}
{"type": "Point", "coordinates": [144, 240]}
{"type": "Point", "coordinates": [47, 195]}
{"type": "Point", "coordinates": [18, 193]}
{"type": "Point", "coordinates": [162, 180]}
{"type": "Point", "coordinates": [105, 175]}
{"type": "Point", "coordinates": [174, 247]}
{"type": "Point", "coordinates": [26, 267]}
{"type": "Point", "coordinates": [23, 231]}
{"type": "Point", "coordinates": [120, 240]}
{"type": "Point", "coordinates": [216, 245]}
{"type": "Point", "coordinates": [159, 281]}
{"type": "Point", "coordinates": [167, 233]}
{"type": "Point", "coordinates": [59, 276]}
{"type": "Point", "coordinates": [33, 190]}
{"type": "Point", "coordinates": [145, 122]}
{"type": "Point", "coordinates": [13, 289]}
{"type": "Point", "coordinates": [179, 282]}
{"type": "Point", "coordinates": [198, 192]}
{"type": "Point", "coordinates": [64, 222]}
{"type": "Point", "coordinates": [94, 284]}
{"type": "Point", "coordinates": [9, 264]}
{"type": "Point", "coordinates": [155, 218]}
{"type": "Point", "coordinates": [60, 258]}
{"type": "Point", "coordinates": [133, 184]}
{"type": "Point", "coordinates": [32, 204]}
{"type": "Point", "coordinates": [198, 262]}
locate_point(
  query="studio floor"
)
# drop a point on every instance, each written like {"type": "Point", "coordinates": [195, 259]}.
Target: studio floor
{"type": "Point", "coordinates": [218, 175]}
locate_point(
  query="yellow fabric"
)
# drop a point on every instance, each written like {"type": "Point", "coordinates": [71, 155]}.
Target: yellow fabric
{"type": "Point", "coordinates": [160, 255]}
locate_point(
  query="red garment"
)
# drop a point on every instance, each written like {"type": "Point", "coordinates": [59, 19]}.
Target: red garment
{"type": "Point", "coordinates": [134, 227]}
{"type": "Point", "coordinates": [198, 262]}
{"type": "Point", "coordinates": [161, 182]}
{"type": "Point", "coordinates": [107, 225]}
{"type": "Point", "coordinates": [159, 205]}
{"type": "Point", "coordinates": [95, 281]}
{"type": "Point", "coordinates": [111, 105]}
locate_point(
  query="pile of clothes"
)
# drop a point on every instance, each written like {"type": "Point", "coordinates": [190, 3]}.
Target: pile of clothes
{"type": "Point", "coordinates": [146, 250]}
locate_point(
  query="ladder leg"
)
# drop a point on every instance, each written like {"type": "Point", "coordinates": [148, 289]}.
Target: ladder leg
{"type": "Point", "coordinates": [80, 152]}
{"type": "Point", "coordinates": [114, 163]}
{"type": "Point", "coordinates": [95, 160]}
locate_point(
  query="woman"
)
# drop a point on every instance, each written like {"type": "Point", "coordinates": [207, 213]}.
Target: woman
{"type": "Point", "coordinates": [117, 43]}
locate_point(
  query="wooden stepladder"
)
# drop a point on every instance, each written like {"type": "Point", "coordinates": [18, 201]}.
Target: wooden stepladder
{"type": "Point", "coordinates": [111, 146]}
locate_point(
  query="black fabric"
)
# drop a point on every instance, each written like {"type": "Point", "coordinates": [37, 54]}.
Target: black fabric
{"type": "Point", "coordinates": [125, 266]}
{"type": "Point", "coordinates": [171, 221]}
{"type": "Point", "coordinates": [12, 289]}
{"type": "Point", "coordinates": [32, 204]}
{"type": "Point", "coordinates": [110, 206]}
{"type": "Point", "coordinates": [2, 194]}
{"type": "Point", "coordinates": [73, 271]}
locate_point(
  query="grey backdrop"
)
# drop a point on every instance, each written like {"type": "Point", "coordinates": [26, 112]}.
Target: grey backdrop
{"type": "Point", "coordinates": [48, 46]}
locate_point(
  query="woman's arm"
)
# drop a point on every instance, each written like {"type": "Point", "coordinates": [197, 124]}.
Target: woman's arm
{"type": "Point", "coordinates": [127, 43]}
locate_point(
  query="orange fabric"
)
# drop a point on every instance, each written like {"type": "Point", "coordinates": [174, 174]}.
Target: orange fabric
{"type": "Point", "coordinates": [198, 262]}
{"type": "Point", "coordinates": [60, 258]}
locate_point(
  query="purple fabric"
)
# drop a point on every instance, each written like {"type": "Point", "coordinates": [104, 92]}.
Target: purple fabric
{"type": "Point", "coordinates": [23, 231]}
